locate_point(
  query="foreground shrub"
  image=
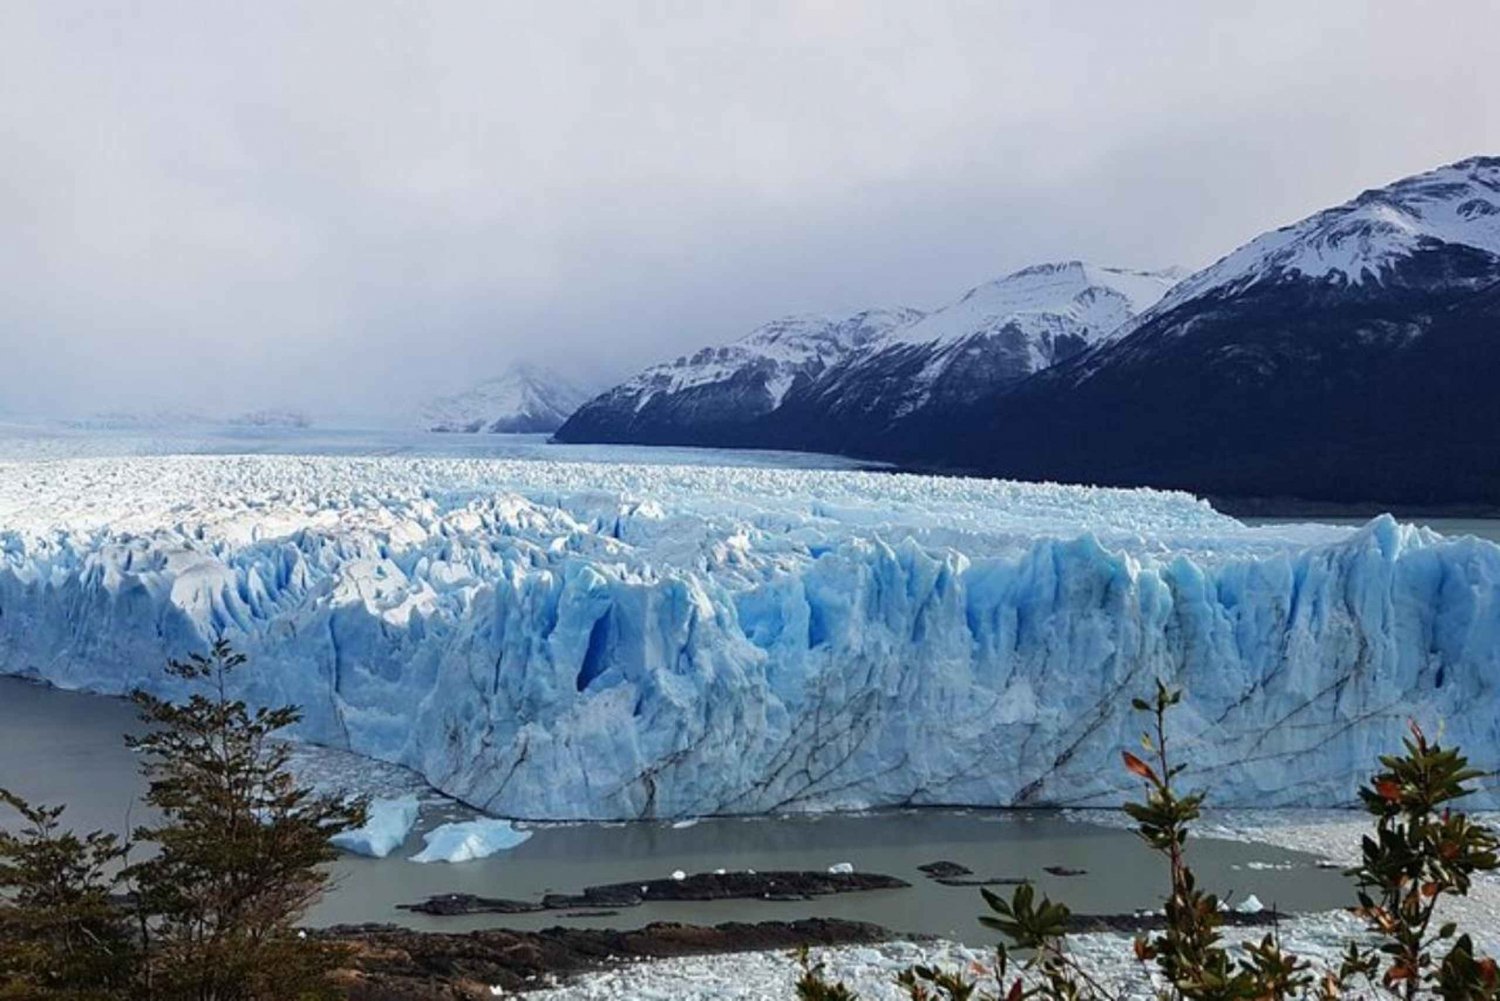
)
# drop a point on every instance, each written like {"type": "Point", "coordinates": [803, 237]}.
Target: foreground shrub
{"type": "Point", "coordinates": [240, 848]}
{"type": "Point", "coordinates": [62, 936]}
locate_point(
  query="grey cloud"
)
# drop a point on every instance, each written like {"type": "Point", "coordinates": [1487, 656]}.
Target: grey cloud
{"type": "Point", "coordinates": [349, 205]}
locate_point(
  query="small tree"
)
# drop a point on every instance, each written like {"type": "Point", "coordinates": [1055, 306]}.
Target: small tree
{"type": "Point", "coordinates": [241, 846]}
{"type": "Point", "coordinates": [1189, 952]}
{"type": "Point", "coordinates": [61, 934]}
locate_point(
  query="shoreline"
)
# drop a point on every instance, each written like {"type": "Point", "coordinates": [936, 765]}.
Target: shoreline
{"type": "Point", "coordinates": [391, 963]}
{"type": "Point", "coordinates": [869, 968]}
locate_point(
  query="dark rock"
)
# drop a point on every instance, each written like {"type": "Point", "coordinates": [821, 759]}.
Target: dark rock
{"type": "Point", "coordinates": [735, 885]}
{"type": "Point", "coordinates": [1081, 923]}
{"type": "Point", "coordinates": [453, 904]}
{"type": "Point", "coordinates": [790, 885]}
{"type": "Point", "coordinates": [1062, 870]}
{"type": "Point", "coordinates": [981, 881]}
{"type": "Point", "coordinates": [945, 870]}
{"type": "Point", "coordinates": [385, 963]}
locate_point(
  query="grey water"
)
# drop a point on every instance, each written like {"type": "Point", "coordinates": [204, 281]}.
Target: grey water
{"type": "Point", "coordinates": [66, 747]}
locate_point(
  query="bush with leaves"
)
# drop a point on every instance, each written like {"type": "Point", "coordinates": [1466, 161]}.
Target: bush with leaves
{"type": "Point", "coordinates": [1421, 852]}
{"type": "Point", "coordinates": [62, 935]}
{"type": "Point", "coordinates": [240, 847]}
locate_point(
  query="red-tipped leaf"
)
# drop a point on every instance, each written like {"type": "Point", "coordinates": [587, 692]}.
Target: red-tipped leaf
{"type": "Point", "coordinates": [1136, 766]}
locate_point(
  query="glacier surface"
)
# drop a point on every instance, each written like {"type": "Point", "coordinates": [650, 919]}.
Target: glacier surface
{"type": "Point", "coordinates": [557, 640]}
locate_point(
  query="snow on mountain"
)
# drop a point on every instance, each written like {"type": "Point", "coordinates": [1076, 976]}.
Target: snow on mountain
{"type": "Point", "coordinates": [994, 336]}
{"type": "Point", "coordinates": [1044, 302]}
{"type": "Point", "coordinates": [525, 398]}
{"type": "Point", "coordinates": [773, 356]}
{"type": "Point", "coordinates": [1363, 239]}
{"type": "Point", "coordinates": [555, 640]}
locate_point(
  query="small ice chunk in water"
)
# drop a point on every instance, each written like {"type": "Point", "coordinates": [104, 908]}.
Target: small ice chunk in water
{"type": "Point", "coordinates": [468, 840]}
{"type": "Point", "coordinates": [1251, 905]}
{"type": "Point", "coordinates": [387, 823]}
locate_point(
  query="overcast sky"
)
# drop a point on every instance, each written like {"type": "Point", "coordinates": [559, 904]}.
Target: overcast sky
{"type": "Point", "coordinates": [349, 206]}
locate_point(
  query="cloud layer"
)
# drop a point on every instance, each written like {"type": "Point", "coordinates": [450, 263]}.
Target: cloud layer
{"type": "Point", "coordinates": [350, 205]}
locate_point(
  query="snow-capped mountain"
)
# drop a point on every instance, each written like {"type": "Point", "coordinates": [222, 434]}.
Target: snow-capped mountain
{"type": "Point", "coordinates": [1371, 240]}
{"type": "Point", "coordinates": [838, 383]}
{"type": "Point", "coordinates": [1353, 355]}
{"type": "Point", "coordinates": [523, 399]}
{"type": "Point", "coordinates": [722, 395]}
{"type": "Point", "coordinates": [994, 336]}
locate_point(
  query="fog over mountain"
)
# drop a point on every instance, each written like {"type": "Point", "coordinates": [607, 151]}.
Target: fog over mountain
{"type": "Point", "coordinates": [347, 207]}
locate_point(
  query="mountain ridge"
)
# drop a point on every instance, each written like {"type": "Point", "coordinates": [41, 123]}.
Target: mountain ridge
{"type": "Point", "coordinates": [825, 388]}
{"type": "Point", "coordinates": [1343, 357]}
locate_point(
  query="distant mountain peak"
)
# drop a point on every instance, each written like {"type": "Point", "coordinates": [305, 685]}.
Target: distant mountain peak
{"type": "Point", "coordinates": [1365, 238]}
{"type": "Point", "coordinates": [774, 355]}
{"type": "Point", "coordinates": [524, 398]}
{"type": "Point", "coordinates": [1097, 298]}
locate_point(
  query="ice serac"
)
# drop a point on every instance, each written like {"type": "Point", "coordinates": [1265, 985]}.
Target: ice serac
{"type": "Point", "coordinates": [550, 640]}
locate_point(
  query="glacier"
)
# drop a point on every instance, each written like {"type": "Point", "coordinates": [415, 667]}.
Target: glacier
{"type": "Point", "coordinates": [572, 640]}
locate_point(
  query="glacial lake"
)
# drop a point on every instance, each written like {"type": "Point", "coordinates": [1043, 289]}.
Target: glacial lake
{"type": "Point", "coordinates": [60, 746]}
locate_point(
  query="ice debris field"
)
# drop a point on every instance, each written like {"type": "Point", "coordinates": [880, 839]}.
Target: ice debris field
{"type": "Point", "coordinates": [556, 640]}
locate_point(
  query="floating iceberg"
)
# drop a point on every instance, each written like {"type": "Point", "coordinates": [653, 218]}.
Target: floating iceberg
{"type": "Point", "coordinates": [588, 641]}
{"type": "Point", "coordinates": [468, 840]}
{"type": "Point", "coordinates": [386, 826]}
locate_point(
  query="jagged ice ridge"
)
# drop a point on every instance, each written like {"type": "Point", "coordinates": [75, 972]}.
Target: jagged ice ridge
{"type": "Point", "coordinates": [573, 640]}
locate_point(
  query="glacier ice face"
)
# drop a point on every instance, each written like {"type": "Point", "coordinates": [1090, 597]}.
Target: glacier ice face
{"type": "Point", "coordinates": [387, 823]}
{"type": "Point", "coordinates": [468, 840]}
{"type": "Point", "coordinates": [572, 640]}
